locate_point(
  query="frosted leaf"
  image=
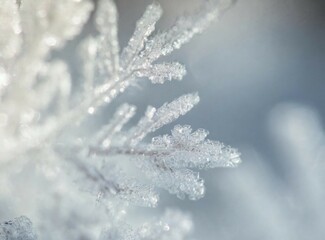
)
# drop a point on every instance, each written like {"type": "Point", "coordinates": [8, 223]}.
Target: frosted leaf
{"type": "Point", "coordinates": [137, 194]}
{"type": "Point", "coordinates": [129, 189]}
{"type": "Point", "coordinates": [109, 182]}
{"type": "Point", "coordinates": [159, 73]}
{"type": "Point", "coordinates": [168, 159]}
{"type": "Point", "coordinates": [51, 23]}
{"type": "Point", "coordinates": [38, 109]}
{"type": "Point", "coordinates": [92, 179]}
{"type": "Point", "coordinates": [181, 32]}
{"type": "Point", "coordinates": [182, 182]}
{"type": "Point", "coordinates": [187, 149]}
{"type": "Point", "coordinates": [144, 27]}
{"type": "Point", "coordinates": [106, 22]}
{"type": "Point", "coordinates": [20, 228]}
{"type": "Point", "coordinates": [137, 63]}
{"type": "Point", "coordinates": [105, 136]}
{"type": "Point", "coordinates": [155, 119]}
{"type": "Point", "coordinates": [108, 58]}
{"type": "Point", "coordinates": [173, 110]}
{"type": "Point", "coordinates": [10, 29]}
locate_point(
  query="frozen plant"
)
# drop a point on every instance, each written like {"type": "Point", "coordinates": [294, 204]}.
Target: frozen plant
{"type": "Point", "coordinates": [76, 187]}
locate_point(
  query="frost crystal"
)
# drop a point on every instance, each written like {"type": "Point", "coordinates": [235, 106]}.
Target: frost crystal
{"type": "Point", "coordinates": [185, 148]}
{"type": "Point", "coordinates": [108, 182]}
{"type": "Point", "coordinates": [144, 27]}
{"type": "Point", "coordinates": [43, 109]}
{"type": "Point", "coordinates": [157, 118]}
{"type": "Point", "coordinates": [181, 32]}
{"type": "Point", "coordinates": [167, 158]}
{"type": "Point", "coordinates": [159, 73]}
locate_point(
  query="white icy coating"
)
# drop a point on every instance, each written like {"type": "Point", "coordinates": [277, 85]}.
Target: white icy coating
{"type": "Point", "coordinates": [144, 27]}
{"type": "Point", "coordinates": [108, 183]}
{"type": "Point", "coordinates": [182, 182]}
{"type": "Point", "coordinates": [159, 73]}
{"type": "Point", "coordinates": [45, 162]}
{"type": "Point", "coordinates": [157, 118]}
{"type": "Point", "coordinates": [180, 33]}
{"type": "Point", "coordinates": [185, 148]}
{"type": "Point", "coordinates": [167, 159]}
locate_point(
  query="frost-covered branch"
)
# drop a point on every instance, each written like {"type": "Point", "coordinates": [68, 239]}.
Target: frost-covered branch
{"type": "Point", "coordinates": [42, 110]}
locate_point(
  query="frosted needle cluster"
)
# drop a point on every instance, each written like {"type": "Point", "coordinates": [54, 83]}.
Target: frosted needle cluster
{"type": "Point", "coordinates": [74, 187]}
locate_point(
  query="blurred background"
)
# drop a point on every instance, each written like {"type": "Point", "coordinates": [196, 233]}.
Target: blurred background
{"type": "Point", "coordinates": [261, 77]}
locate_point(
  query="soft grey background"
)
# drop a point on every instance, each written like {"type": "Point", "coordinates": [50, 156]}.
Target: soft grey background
{"type": "Point", "coordinates": [260, 54]}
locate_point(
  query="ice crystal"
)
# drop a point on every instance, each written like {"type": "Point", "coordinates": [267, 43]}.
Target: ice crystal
{"type": "Point", "coordinates": [159, 73]}
{"type": "Point", "coordinates": [185, 148]}
{"type": "Point", "coordinates": [144, 27]}
{"type": "Point", "coordinates": [167, 158]}
{"type": "Point", "coordinates": [108, 182]}
{"type": "Point", "coordinates": [157, 118]}
{"type": "Point", "coordinates": [42, 109]}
